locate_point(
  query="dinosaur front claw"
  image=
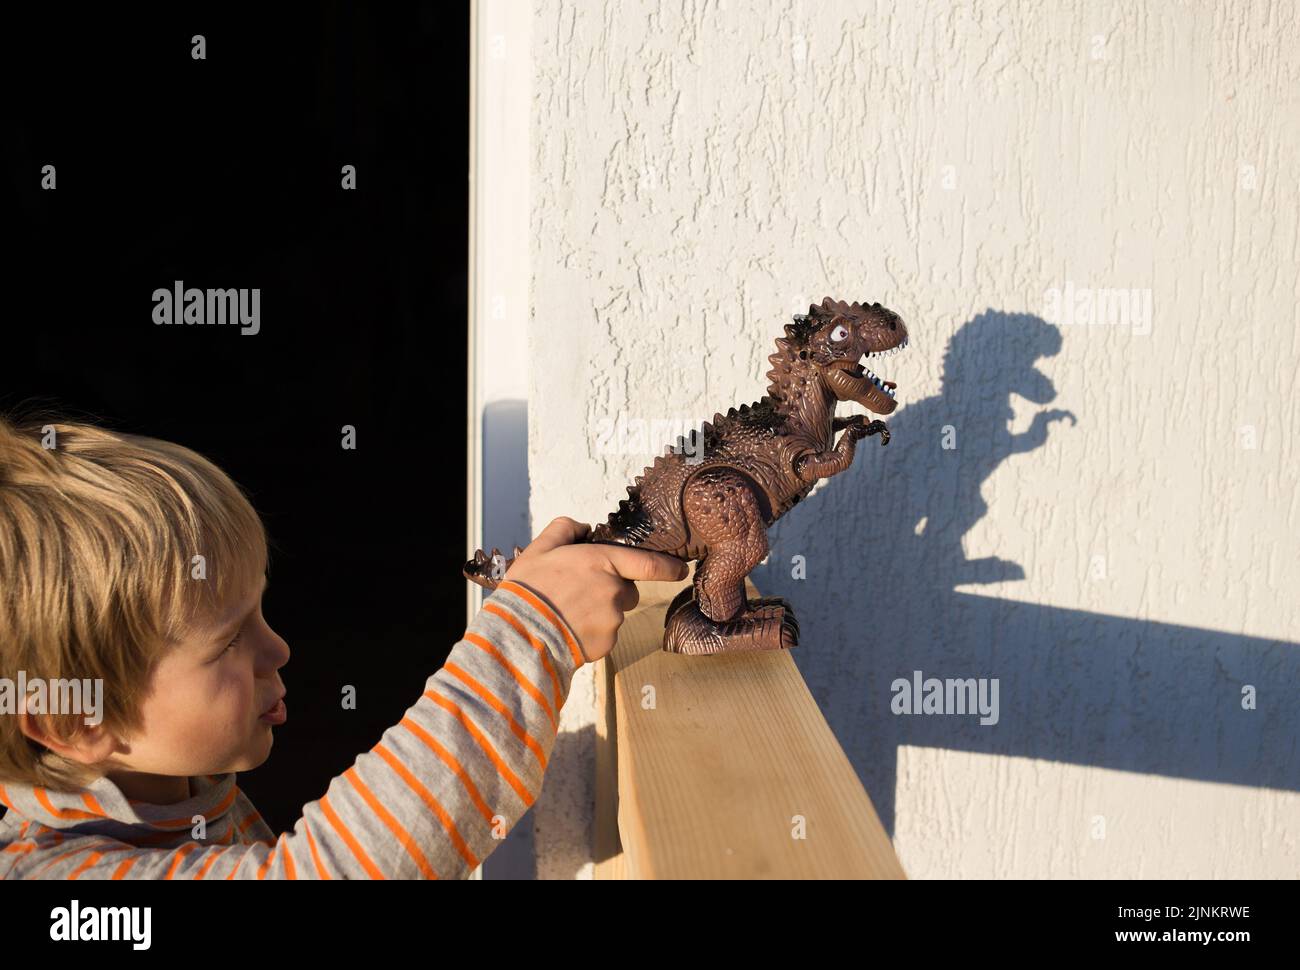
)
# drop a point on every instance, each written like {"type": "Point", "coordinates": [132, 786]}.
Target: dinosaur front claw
{"type": "Point", "coordinates": [859, 428]}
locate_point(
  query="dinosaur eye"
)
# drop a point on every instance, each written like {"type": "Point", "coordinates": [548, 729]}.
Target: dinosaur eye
{"type": "Point", "coordinates": [840, 333]}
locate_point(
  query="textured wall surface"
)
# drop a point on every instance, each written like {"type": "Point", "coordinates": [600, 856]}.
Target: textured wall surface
{"type": "Point", "coordinates": [1087, 214]}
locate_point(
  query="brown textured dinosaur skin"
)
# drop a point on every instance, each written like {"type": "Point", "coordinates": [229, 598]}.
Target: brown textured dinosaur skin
{"type": "Point", "coordinates": [714, 503]}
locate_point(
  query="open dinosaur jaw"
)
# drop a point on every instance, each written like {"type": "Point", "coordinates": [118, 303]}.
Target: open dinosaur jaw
{"type": "Point", "coordinates": [853, 381]}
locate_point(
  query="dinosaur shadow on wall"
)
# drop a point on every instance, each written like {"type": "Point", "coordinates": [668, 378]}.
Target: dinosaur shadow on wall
{"type": "Point", "coordinates": [1075, 687]}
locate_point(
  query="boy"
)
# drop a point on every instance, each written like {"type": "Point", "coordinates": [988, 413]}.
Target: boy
{"type": "Point", "coordinates": [101, 581]}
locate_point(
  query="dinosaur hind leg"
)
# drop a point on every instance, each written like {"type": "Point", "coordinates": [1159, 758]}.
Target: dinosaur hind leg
{"type": "Point", "coordinates": [724, 513]}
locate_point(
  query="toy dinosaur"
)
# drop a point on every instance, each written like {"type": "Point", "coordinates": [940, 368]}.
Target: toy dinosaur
{"type": "Point", "coordinates": [714, 504]}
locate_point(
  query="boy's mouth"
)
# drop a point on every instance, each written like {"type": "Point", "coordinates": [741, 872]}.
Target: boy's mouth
{"type": "Point", "coordinates": [277, 713]}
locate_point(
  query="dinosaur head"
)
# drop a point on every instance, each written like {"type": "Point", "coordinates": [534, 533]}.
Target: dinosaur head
{"type": "Point", "coordinates": [839, 339]}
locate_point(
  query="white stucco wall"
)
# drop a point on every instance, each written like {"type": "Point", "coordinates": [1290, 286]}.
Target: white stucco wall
{"type": "Point", "coordinates": [701, 170]}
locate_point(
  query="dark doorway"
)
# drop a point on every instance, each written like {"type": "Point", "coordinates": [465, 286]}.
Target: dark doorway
{"type": "Point", "coordinates": [228, 172]}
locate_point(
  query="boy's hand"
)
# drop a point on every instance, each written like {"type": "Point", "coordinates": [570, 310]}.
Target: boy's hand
{"type": "Point", "coordinates": [590, 585]}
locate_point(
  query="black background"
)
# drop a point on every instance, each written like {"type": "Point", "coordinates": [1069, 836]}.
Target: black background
{"type": "Point", "coordinates": [225, 172]}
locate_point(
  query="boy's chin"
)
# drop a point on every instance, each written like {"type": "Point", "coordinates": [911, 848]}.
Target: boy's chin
{"type": "Point", "coordinates": [259, 749]}
{"type": "Point", "coordinates": [261, 752]}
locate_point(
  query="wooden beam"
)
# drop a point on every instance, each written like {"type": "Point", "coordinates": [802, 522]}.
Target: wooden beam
{"type": "Point", "coordinates": [706, 765]}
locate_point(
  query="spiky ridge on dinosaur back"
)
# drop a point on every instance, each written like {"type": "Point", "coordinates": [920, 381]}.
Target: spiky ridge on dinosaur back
{"type": "Point", "coordinates": [632, 521]}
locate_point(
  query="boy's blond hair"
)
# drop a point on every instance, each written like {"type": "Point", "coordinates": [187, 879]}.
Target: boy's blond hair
{"type": "Point", "coordinates": [98, 534]}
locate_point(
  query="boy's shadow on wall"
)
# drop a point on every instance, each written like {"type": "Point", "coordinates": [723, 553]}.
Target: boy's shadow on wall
{"type": "Point", "coordinates": [882, 544]}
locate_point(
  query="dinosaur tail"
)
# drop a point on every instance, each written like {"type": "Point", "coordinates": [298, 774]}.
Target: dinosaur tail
{"type": "Point", "coordinates": [632, 525]}
{"type": "Point", "coordinates": [651, 517]}
{"type": "Point", "coordinates": [489, 569]}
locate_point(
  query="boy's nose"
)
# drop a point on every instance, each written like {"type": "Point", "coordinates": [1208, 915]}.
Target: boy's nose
{"type": "Point", "coordinates": [278, 654]}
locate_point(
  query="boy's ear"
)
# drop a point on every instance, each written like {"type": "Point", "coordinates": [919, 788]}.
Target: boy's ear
{"type": "Point", "coordinates": [89, 744]}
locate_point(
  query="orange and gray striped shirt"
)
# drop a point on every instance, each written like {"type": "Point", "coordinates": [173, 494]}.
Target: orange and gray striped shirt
{"type": "Point", "coordinates": [431, 800]}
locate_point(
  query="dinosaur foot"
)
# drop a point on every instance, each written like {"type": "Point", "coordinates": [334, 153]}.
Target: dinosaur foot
{"type": "Point", "coordinates": [487, 570]}
{"type": "Point", "coordinates": [687, 595]}
{"type": "Point", "coordinates": [766, 623]}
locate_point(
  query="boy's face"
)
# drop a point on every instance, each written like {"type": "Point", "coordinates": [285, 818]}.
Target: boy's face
{"type": "Point", "coordinates": [203, 716]}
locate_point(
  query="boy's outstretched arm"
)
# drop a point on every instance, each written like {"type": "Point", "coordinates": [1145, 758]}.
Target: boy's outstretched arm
{"type": "Point", "coordinates": [445, 784]}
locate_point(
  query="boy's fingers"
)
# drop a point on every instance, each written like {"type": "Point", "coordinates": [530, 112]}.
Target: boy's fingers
{"type": "Point", "coordinates": [561, 532]}
{"type": "Point", "coordinates": [642, 564]}
{"type": "Point", "coordinates": [628, 597]}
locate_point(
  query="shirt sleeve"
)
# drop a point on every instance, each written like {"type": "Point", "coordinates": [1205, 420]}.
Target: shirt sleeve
{"type": "Point", "coordinates": [431, 800]}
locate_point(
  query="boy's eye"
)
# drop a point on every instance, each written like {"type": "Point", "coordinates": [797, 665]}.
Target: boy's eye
{"type": "Point", "coordinates": [238, 637]}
